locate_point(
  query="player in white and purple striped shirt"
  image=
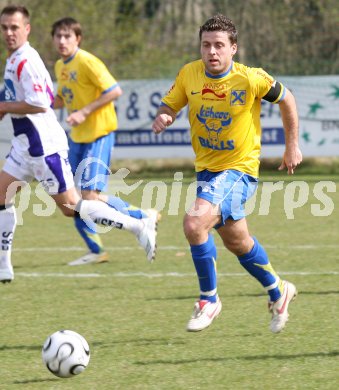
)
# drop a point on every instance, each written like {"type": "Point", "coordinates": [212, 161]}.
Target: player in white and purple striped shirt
{"type": "Point", "coordinates": [39, 146]}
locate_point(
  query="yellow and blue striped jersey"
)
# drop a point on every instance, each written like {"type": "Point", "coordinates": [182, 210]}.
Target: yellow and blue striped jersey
{"type": "Point", "coordinates": [224, 114]}
{"type": "Point", "coordinates": [82, 79]}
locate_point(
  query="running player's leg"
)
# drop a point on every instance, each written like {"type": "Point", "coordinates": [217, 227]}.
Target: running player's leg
{"type": "Point", "coordinates": [98, 158]}
{"type": "Point", "coordinates": [55, 174]}
{"type": "Point", "coordinates": [235, 235]}
{"type": "Point", "coordinates": [13, 177]}
{"type": "Point", "coordinates": [251, 254]}
{"type": "Point", "coordinates": [213, 189]}
{"type": "Point", "coordinates": [87, 231]}
{"type": "Point", "coordinates": [145, 230]}
{"type": "Point", "coordinates": [197, 225]}
{"type": "Point", "coordinates": [90, 165]}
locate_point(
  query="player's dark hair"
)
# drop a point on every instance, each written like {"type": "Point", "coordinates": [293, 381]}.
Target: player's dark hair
{"type": "Point", "coordinates": [12, 9]}
{"type": "Point", "coordinates": [220, 22]}
{"type": "Point", "coordinates": [68, 23]}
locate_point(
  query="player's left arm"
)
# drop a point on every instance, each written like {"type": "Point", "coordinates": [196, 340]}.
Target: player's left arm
{"type": "Point", "coordinates": [279, 94]}
{"type": "Point", "coordinates": [292, 156]}
{"type": "Point", "coordinates": [78, 117]}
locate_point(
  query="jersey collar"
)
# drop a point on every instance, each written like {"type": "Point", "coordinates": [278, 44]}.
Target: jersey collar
{"type": "Point", "coordinates": [219, 76]}
{"type": "Point", "coordinates": [19, 50]}
{"type": "Point", "coordinates": [69, 59]}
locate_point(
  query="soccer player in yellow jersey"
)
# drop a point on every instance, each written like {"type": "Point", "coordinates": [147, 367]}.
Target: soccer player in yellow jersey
{"type": "Point", "coordinates": [87, 89]}
{"type": "Point", "coordinates": [224, 113]}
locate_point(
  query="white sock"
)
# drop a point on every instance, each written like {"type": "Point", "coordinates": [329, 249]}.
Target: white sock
{"type": "Point", "coordinates": [102, 214]}
{"type": "Point", "coordinates": [7, 228]}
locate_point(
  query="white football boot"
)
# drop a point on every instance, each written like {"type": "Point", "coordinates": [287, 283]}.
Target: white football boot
{"type": "Point", "coordinates": [91, 258]}
{"type": "Point", "coordinates": [204, 313]}
{"type": "Point", "coordinates": [147, 235]}
{"type": "Point", "coordinates": [6, 272]}
{"type": "Point", "coordinates": [279, 307]}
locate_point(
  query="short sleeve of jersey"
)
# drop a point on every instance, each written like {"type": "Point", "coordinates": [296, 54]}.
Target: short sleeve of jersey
{"type": "Point", "coordinates": [176, 97]}
{"type": "Point", "coordinates": [34, 83]}
{"type": "Point", "coordinates": [98, 73]}
{"type": "Point", "coordinates": [260, 82]}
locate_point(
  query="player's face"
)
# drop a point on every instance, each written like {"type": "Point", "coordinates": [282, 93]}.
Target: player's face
{"type": "Point", "coordinates": [216, 51]}
{"type": "Point", "coordinates": [66, 42]}
{"type": "Point", "coordinates": [15, 30]}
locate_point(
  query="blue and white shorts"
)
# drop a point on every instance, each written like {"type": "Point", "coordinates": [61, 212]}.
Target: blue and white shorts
{"type": "Point", "coordinates": [227, 189]}
{"type": "Point", "coordinates": [53, 171]}
{"type": "Point", "coordinates": [90, 162]}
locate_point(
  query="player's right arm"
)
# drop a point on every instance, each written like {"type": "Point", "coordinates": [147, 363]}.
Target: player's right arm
{"type": "Point", "coordinates": [165, 117]}
{"type": "Point", "coordinates": [20, 108]}
{"type": "Point", "coordinates": [78, 117]}
{"type": "Point", "coordinates": [32, 90]}
{"type": "Point", "coordinates": [172, 103]}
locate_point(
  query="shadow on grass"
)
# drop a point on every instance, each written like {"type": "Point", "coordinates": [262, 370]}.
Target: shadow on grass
{"type": "Point", "coordinates": [20, 347]}
{"type": "Point", "coordinates": [35, 381]}
{"type": "Point", "coordinates": [177, 298]}
{"type": "Point", "coordinates": [330, 354]}
{"type": "Point", "coordinates": [194, 297]}
{"type": "Point", "coordinates": [140, 342]}
{"type": "Point", "coordinates": [238, 295]}
{"type": "Point", "coordinates": [318, 292]}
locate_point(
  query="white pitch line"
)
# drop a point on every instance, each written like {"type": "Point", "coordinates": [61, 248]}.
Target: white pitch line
{"type": "Point", "coordinates": [158, 275]}
{"type": "Point", "coordinates": [164, 248]}
{"type": "Point", "coordinates": [56, 275]}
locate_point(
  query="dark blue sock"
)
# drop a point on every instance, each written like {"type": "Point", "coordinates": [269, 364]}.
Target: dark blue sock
{"type": "Point", "coordinates": [256, 263]}
{"type": "Point", "coordinates": [204, 258]}
{"type": "Point", "coordinates": [90, 236]}
{"type": "Point", "coordinates": [125, 207]}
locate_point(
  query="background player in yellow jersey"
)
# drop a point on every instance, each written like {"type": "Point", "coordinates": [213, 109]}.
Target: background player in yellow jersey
{"type": "Point", "coordinates": [87, 89]}
{"type": "Point", "coordinates": [224, 113]}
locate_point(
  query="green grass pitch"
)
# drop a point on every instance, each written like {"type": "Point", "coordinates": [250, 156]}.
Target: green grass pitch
{"type": "Point", "coordinates": [133, 314]}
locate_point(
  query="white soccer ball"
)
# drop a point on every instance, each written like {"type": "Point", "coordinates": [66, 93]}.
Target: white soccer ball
{"type": "Point", "coordinates": [65, 353]}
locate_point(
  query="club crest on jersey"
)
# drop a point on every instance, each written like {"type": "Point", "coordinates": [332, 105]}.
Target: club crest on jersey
{"type": "Point", "coordinates": [73, 76]}
{"type": "Point", "coordinates": [238, 97]}
{"type": "Point", "coordinates": [214, 123]}
{"type": "Point", "coordinates": [67, 94]}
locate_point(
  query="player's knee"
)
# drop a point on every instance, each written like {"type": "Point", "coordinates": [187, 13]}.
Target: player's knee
{"type": "Point", "coordinates": [90, 195]}
{"type": "Point", "coordinates": [239, 246]}
{"type": "Point", "coordinates": [192, 227]}
{"type": "Point", "coordinates": [67, 211]}
{"type": "Point", "coordinates": [234, 246]}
